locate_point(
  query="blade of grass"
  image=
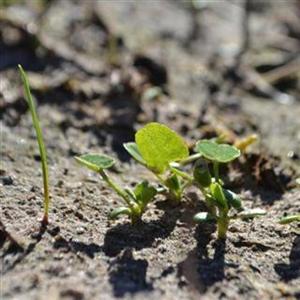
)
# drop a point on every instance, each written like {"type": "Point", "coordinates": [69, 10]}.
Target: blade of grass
{"type": "Point", "coordinates": [40, 140]}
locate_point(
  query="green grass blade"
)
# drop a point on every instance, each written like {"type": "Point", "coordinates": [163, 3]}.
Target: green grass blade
{"type": "Point", "coordinates": [41, 144]}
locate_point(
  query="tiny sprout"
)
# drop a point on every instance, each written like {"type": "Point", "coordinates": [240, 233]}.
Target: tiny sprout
{"type": "Point", "coordinates": [136, 200]}
{"type": "Point", "coordinates": [161, 150]}
{"type": "Point", "coordinates": [41, 144]}
{"type": "Point", "coordinates": [244, 143]}
{"type": "Point", "coordinates": [289, 219]}
{"type": "Point", "coordinates": [218, 199]}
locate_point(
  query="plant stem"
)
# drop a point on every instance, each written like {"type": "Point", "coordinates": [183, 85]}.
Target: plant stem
{"type": "Point", "coordinates": [216, 170]}
{"type": "Point", "coordinates": [223, 223]}
{"type": "Point", "coordinates": [189, 159]}
{"type": "Point", "coordinates": [116, 188]}
{"type": "Point", "coordinates": [182, 174]}
{"type": "Point", "coordinates": [211, 207]}
{"type": "Point", "coordinates": [160, 179]}
{"type": "Point", "coordinates": [41, 144]}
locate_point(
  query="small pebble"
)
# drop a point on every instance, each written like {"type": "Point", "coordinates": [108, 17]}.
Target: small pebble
{"type": "Point", "coordinates": [80, 230]}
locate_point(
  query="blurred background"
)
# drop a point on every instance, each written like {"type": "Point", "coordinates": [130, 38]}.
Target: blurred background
{"type": "Point", "coordinates": [107, 66]}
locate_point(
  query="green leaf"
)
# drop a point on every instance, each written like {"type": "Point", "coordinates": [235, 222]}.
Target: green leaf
{"type": "Point", "coordinates": [222, 153]}
{"type": "Point", "coordinates": [159, 146]}
{"type": "Point", "coordinates": [144, 192]}
{"type": "Point", "coordinates": [96, 162]}
{"type": "Point", "coordinates": [203, 217]}
{"type": "Point", "coordinates": [233, 199]}
{"type": "Point", "coordinates": [130, 193]}
{"type": "Point", "coordinates": [133, 150]}
{"type": "Point", "coordinates": [218, 195]}
{"type": "Point", "coordinates": [201, 173]}
{"type": "Point", "coordinates": [173, 182]}
{"type": "Point", "coordinates": [289, 219]}
{"type": "Point", "coordinates": [251, 213]}
{"type": "Point", "coordinates": [120, 211]}
{"type": "Point", "coordinates": [40, 140]}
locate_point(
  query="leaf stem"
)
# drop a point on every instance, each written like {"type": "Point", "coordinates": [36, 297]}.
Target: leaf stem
{"type": "Point", "coordinates": [223, 223]}
{"type": "Point", "coordinates": [41, 144]}
{"type": "Point", "coordinates": [116, 188]}
{"type": "Point", "coordinates": [216, 170]}
{"type": "Point", "coordinates": [181, 174]}
{"type": "Point", "coordinates": [189, 159]}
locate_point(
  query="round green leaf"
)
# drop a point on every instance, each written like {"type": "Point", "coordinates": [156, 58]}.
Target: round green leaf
{"type": "Point", "coordinates": [96, 162]}
{"type": "Point", "coordinates": [159, 146]}
{"type": "Point", "coordinates": [222, 153]}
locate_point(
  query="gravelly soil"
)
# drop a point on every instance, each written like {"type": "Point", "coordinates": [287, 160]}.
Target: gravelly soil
{"type": "Point", "coordinates": [86, 104]}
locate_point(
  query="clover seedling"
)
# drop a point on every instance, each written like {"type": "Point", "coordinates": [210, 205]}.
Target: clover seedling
{"type": "Point", "coordinates": [136, 200]}
{"type": "Point", "coordinates": [289, 219]}
{"type": "Point", "coordinates": [219, 200]}
{"type": "Point", "coordinates": [41, 144]}
{"type": "Point", "coordinates": [162, 150]}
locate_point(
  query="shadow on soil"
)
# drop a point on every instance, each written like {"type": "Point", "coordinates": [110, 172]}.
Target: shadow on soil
{"type": "Point", "coordinates": [199, 269]}
{"type": "Point", "coordinates": [290, 271]}
{"type": "Point", "coordinates": [142, 235]}
{"type": "Point", "coordinates": [127, 274]}
{"type": "Point", "coordinates": [15, 248]}
{"type": "Point", "coordinates": [76, 246]}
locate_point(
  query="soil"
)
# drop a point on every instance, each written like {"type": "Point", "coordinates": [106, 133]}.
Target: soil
{"type": "Point", "coordinates": [93, 66]}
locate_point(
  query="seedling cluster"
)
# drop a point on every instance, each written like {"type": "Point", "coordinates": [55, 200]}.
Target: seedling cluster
{"type": "Point", "coordinates": [164, 153]}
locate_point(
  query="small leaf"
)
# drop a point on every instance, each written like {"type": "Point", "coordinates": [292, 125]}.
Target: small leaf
{"type": "Point", "coordinates": [203, 217]}
{"type": "Point", "coordinates": [218, 195]}
{"type": "Point", "coordinates": [173, 182]}
{"type": "Point", "coordinates": [159, 146]}
{"type": "Point", "coordinates": [233, 199]}
{"type": "Point", "coordinates": [222, 153]}
{"type": "Point", "coordinates": [96, 162]}
{"type": "Point", "coordinates": [120, 211]}
{"type": "Point", "coordinates": [251, 213]}
{"type": "Point", "coordinates": [130, 193]}
{"type": "Point", "coordinates": [289, 219]}
{"type": "Point", "coordinates": [144, 192]}
{"type": "Point", "coordinates": [245, 142]}
{"type": "Point", "coordinates": [201, 173]}
{"type": "Point", "coordinates": [133, 150]}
